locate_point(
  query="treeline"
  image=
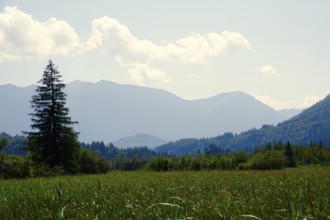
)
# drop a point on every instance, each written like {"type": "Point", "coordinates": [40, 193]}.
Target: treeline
{"type": "Point", "coordinates": [100, 158]}
{"type": "Point", "coordinates": [17, 166]}
{"type": "Point", "coordinates": [93, 158]}
{"type": "Point", "coordinates": [270, 156]}
{"type": "Point", "coordinates": [97, 157]}
{"type": "Point", "coordinates": [122, 159]}
{"type": "Point", "coordinates": [110, 152]}
{"type": "Point", "coordinates": [14, 145]}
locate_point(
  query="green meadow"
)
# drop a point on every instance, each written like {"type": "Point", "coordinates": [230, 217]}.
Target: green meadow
{"type": "Point", "coordinates": [297, 193]}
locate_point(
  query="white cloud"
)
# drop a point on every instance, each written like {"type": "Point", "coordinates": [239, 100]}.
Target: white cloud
{"type": "Point", "coordinates": [23, 37]}
{"type": "Point", "coordinates": [144, 74]}
{"type": "Point", "coordinates": [267, 69]}
{"type": "Point", "coordinates": [114, 37]}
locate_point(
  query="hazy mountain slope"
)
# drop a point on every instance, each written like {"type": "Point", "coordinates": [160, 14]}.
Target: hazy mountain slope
{"type": "Point", "coordinates": [313, 124]}
{"type": "Point", "coordinates": [139, 140]}
{"type": "Point", "coordinates": [108, 111]}
{"type": "Point", "coordinates": [14, 108]}
{"type": "Point", "coordinates": [234, 112]}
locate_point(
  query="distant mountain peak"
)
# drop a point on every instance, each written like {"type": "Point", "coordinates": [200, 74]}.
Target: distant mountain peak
{"type": "Point", "coordinates": [139, 140]}
{"type": "Point", "coordinates": [108, 82]}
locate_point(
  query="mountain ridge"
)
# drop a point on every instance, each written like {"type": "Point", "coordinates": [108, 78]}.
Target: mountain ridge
{"type": "Point", "coordinates": [107, 111]}
{"type": "Point", "coordinates": [310, 126]}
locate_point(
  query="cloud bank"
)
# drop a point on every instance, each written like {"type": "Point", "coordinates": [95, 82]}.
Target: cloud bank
{"type": "Point", "coordinates": [22, 37]}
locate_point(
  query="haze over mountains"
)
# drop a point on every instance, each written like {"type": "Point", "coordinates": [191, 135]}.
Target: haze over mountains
{"type": "Point", "coordinates": [108, 111]}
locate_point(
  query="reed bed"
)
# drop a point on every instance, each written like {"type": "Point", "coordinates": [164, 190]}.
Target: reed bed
{"type": "Point", "coordinates": [298, 193]}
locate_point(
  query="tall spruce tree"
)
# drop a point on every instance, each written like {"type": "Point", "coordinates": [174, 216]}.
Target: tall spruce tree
{"type": "Point", "coordinates": [55, 142]}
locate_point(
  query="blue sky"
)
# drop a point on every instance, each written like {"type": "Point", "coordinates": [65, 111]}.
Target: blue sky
{"type": "Point", "coordinates": [277, 51]}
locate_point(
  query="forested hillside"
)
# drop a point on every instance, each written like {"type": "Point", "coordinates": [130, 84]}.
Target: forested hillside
{"type": "Point", "coordinates": [15, 144]}
{"type": "Point", "coordinates": [311, 126]}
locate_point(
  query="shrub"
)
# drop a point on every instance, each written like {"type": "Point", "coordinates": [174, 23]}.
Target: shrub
{"type": "Point", "coordinates": [43, 170]}
{"type": "Point", "coordinates": [269, 160]}
{"type": "Point", "coordinates": [160, 164]}
{"type": "Point", "coordinates": [13, 166]}
{"type": "Point", "coordinates": [91, 163]}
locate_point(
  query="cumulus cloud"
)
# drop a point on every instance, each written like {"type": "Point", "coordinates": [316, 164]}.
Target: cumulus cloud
{"type": "Point", "coordinates": [23, 37]}
{"type": "Point", "coordinates": [112, 37]}
{"type": "Point", "coordinates": [144, 74]}
{"type": "Point", "coordinates": [267, 69]}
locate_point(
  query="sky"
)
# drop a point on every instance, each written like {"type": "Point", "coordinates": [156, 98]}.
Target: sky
{"type": "Point", "coordinates": [277, 51]}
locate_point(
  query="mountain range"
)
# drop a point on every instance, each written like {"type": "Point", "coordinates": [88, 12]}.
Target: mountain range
{"type": "Point", "coordinates": [311, 127]}
{"type": "Point", "coordinates": [108, 111]}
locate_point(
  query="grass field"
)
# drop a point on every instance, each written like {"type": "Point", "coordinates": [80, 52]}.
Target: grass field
{"type": "Point", "coordinates": [299, 193]}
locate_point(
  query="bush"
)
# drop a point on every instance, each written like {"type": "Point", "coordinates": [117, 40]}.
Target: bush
{"type": "Point", "coordinates": [269, 160]}
{"type": "Point", "coordinates": [13, 166]}
{"type": "Point", "coordinates": [91, 163]}
{"type": "Point", "coordinates": [160, 164]}
{"type": "Point", "coordinates": [43, 170]}
{"type": "Point", "coordinates": [104, 165]}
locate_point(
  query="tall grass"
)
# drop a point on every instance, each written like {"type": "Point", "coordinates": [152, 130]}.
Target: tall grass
{"type": "Point", "coordinates": [300, 193]}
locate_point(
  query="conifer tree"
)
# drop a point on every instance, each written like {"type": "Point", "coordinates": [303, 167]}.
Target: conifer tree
{"type": "Point", "coordinates": [3, 143]}
{"type": "Point", "coordinates": [290, 155]}
{"type": "Point", "coordinates": [54, 142]}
